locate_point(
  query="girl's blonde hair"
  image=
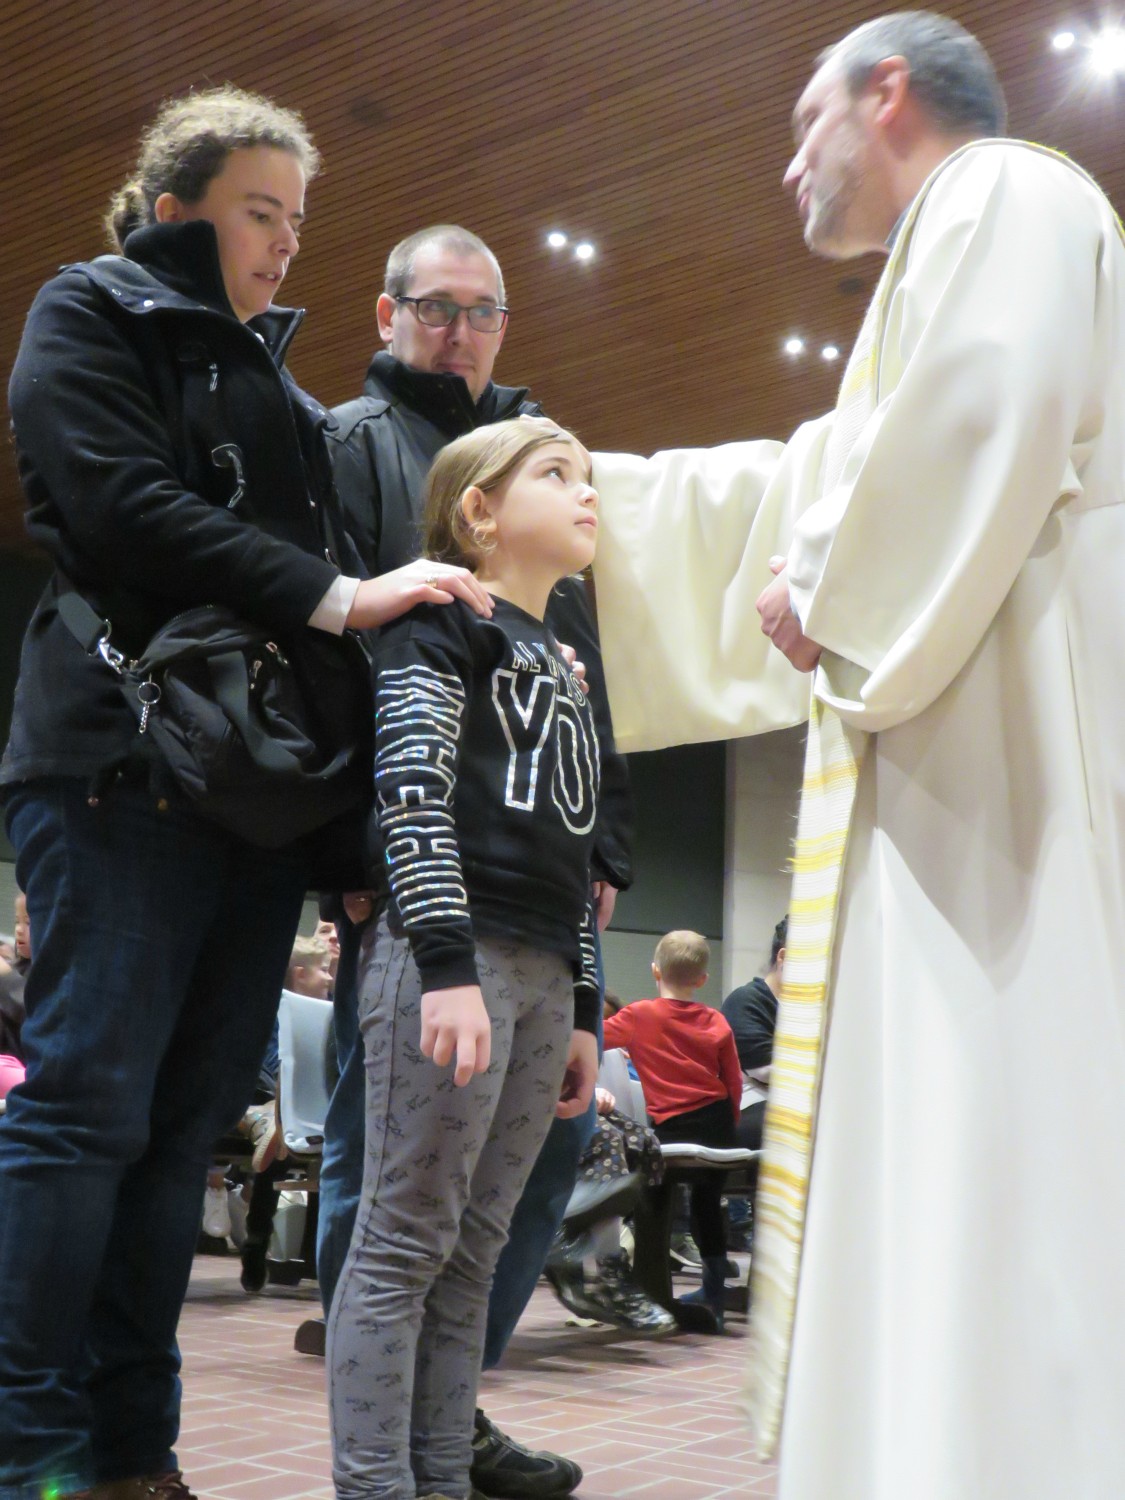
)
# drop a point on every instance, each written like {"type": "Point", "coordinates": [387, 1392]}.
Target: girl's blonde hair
{"type": "Point", "coordinates": [187, 145]}
{"type": "Point", "coordinates": [484, 458]}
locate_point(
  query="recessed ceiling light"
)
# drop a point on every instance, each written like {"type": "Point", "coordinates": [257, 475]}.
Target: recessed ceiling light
{"type": "Point", "coordinates": [584, 250]}
{"type": "Point", "coordinates": [1107, 52]}
{"type": "Point", "coordinates": [556, 239]}
{"type": "Point", "coordinates": [830, 352]}
{"type": "Point", "coordinates": [794, 346]}
{"type": "Point", "coordinates": [1063, 41]}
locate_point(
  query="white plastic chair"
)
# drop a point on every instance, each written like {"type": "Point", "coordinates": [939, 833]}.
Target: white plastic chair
{"type": "Point", "coordinates": [615, 1076]}
{"type": "Point", "coordinates": [304, 1027]}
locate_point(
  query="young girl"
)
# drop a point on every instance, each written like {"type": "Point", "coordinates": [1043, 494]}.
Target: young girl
{"type": "Point", "coordinates": [168, 461]}
{"type": "Point", "coordinates": [478, 994]}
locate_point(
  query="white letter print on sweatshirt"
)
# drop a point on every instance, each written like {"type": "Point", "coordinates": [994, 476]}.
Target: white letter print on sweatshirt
{"type": "Point", "coordinates": [549, 703]}
{"type": "Point", "coordinates": [421, 712]}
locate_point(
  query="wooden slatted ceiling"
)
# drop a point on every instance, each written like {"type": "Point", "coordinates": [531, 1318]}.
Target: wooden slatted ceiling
{"type": "Point", "coordinates": [659, 128]}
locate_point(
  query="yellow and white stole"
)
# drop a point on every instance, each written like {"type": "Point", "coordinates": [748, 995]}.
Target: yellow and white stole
{"type": "Point", "coordinates": [833, 759]}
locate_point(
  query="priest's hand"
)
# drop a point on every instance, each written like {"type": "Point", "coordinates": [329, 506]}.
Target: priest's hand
{"type": "Point", "coordinates": [782, 625]}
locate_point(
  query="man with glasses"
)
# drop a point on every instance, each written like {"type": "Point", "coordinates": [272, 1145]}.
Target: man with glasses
{"type": "Point", "coordinates": [442, 316]}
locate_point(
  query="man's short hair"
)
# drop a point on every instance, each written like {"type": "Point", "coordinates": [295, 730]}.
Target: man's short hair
{"type": "Point", "coordinates": [682, 956]}
{"type": "Point", "coordinates": [308, 953]}
{"type": "Point", "coordinates": [450, 237]}
{"type": "Point", "coordinates": [951, 74]}
{"type": "Point", "coordinates": [780, 933]}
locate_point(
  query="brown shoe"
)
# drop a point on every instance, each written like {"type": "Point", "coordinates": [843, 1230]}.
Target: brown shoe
{"type": "Point", "coordinates": [311, 1337]}
{"type": "Point", "coordinates": [169, 1486]}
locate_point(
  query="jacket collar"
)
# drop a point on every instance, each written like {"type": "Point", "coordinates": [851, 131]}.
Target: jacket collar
{"type": "Point", "coordinates": [176, 266]}
{"type": "Point", "coordinates": [441, 398]}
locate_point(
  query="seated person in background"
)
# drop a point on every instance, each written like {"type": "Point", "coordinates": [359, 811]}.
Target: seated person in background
{"type": "Point", "coordinates": [751, 1011]}
{"type": "Point", "coordinates": [326, 933]}
{"type": "Point", "coordinates": [684, 1053]}
{"type": "Point", "coordinates": [309, 973]}
{"type": "Point", "coordinates": [13, 974]}
{"type": "Point", "coordinates": [619, 1153]}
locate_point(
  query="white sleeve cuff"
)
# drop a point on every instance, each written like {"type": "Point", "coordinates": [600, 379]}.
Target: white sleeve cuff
{"type": "Point", "coordinates": [331, 614]}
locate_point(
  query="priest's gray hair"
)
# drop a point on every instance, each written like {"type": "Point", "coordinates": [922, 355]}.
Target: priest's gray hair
{"type": "Point", "coordinates": [450, 237]}
{"type": "Point", "coordinates": [951, 74]}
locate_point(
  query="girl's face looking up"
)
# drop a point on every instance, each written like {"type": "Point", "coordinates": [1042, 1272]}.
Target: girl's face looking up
{"type": "Point", "coordinates": [257, 205]}
{"type": "Point", "coordinates": [545, 515]}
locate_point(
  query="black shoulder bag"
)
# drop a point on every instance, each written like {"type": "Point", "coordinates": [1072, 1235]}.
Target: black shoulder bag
{"type": "Point", "coordinates": [269, 741]}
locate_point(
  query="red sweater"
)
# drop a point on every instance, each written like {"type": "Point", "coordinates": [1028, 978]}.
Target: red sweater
{"type": "Point", "coordinates": [683, 1051]}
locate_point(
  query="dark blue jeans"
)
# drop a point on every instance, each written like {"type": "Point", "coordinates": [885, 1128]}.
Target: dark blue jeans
{"type": "Point", "coordinates": [538, 1213]}
{"type": "Point", "coordinates": [159, 951]}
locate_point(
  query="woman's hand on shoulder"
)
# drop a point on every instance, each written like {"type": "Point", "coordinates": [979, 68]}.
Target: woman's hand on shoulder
{"type": "Point", "coordinates": [455, 1027]}
{"type": "Point", "coordinates": [580, 1076]}
{"type": "Point", "coordinates": [381, 599]}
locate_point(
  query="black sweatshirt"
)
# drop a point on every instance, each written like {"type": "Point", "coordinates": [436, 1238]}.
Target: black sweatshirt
{"type": "Point", "coordinates": [486, 777]}
{"type": "Point", "coordinates": [751, 1011]}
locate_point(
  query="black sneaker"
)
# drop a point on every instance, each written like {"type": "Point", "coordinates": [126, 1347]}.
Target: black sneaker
{"type": "Point", "coordinates": [612, 1297]}
{"type": "Point", "coordinates": [622, 1301]}
{"type": "Point", "coordinates": [506, 1470]}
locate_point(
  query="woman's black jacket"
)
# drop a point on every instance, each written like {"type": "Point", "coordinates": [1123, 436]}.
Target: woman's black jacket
{"type": "Point", "coordinates": [168, 460]}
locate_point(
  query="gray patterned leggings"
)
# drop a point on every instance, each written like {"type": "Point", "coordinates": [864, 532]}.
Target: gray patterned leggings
{"type": "Point", "coordinates": [443, 1172]}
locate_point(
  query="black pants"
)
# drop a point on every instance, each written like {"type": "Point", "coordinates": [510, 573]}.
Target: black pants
{"type": "Point", "coordinates": [713, 1125]}
{"type": "Point", "coordinates": [750, 1123]}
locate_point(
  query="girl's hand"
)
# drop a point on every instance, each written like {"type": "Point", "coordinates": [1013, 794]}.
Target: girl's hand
{"type": "Point", "coordinates": [604, 1101]}
{"type": "Point", "coordinates": [455, 1024]}
{"type": "Point", "coordinates": [580, 1076]}
{"type": "Point", "coordinates": [378, 600]}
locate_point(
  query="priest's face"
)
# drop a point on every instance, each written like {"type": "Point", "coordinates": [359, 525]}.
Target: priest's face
{"type": "Point", "coordinates": [831, 172]}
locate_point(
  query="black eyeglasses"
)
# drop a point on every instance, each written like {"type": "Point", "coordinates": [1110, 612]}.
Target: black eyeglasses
{"type": "Point", "coordinates": [438, 312]}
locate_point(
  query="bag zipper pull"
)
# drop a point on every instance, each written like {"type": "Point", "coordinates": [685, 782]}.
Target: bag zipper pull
{"type": "Point", "coordinates": [148, 695]}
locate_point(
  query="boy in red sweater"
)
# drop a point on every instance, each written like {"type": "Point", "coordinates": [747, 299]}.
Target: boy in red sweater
{"type": "Point", "coordinates": [685, 1056]}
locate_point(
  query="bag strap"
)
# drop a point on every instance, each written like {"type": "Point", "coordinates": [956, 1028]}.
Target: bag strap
{"type": "Point", "coordinates": [232, 692]}
{"type": "Point", "coordinates": [89, 629]}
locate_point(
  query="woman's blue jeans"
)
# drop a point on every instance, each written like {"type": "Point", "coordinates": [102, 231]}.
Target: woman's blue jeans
{"type": "Point", "coordinates": [159, 948]}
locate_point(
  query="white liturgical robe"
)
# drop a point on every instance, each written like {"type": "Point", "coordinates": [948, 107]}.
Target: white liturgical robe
{"type": "Point", "coordinates": [960, 1324]}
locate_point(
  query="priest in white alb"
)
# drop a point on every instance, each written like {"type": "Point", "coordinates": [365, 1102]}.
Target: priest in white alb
{"type": "Point", "coordinates": [939, 1277]}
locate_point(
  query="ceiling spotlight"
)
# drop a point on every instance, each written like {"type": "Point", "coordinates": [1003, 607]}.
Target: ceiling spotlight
{"type": "Point", "coordinates": [1063, 41]}
{"type": "Point", "coordinates": [556, 239]}
{"type": "Point", "coordinates": [830, 352]}
{"type": "Point", "coordinates": [793, 347]}
{"type": "Point", "coordinates": [1107, 52]}
{"type": "Point", "coordinates": [584, 250]}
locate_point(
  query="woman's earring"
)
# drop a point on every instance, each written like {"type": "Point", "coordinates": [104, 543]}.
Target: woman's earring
{"type": "Point", "coordinates": [479, 535]}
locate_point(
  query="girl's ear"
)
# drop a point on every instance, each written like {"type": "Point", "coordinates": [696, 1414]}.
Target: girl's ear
{"type": "Point", "coordinates": [481, 523]}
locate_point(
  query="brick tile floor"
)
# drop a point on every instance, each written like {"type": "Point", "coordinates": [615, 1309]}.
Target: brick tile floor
{"type": "Point", "coordinates": [648, 1419]}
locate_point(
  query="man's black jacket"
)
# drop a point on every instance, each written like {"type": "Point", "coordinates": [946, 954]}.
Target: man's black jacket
{"type": "Point", "coordinates": [382, 449]}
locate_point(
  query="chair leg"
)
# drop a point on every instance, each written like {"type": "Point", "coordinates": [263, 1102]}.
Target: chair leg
{"type": "Point", "coordinates": [652, 1229]}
